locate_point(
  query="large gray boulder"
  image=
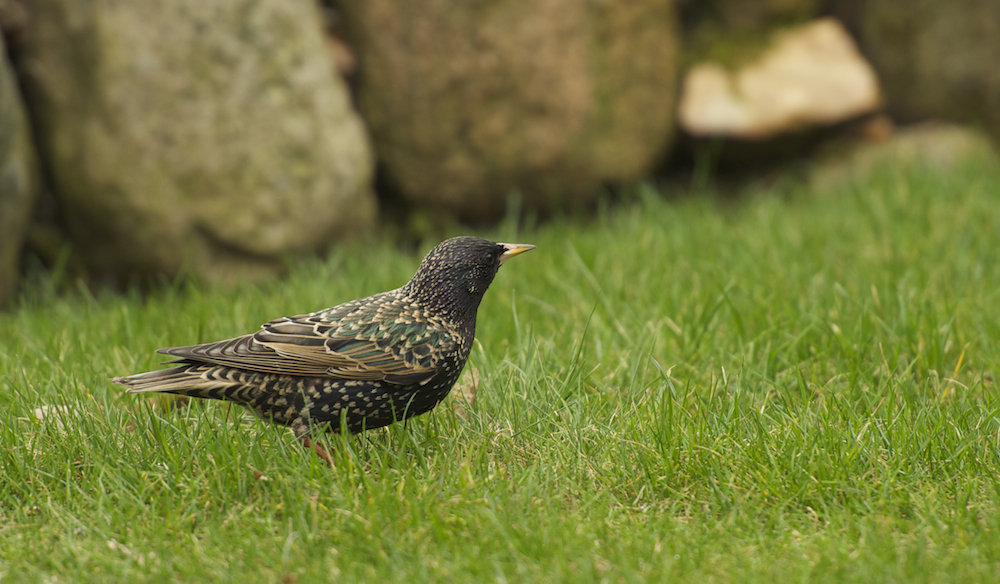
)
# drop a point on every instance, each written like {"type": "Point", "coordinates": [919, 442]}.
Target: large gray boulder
{"type": "Point", "coordinates": [18, 177]}
{"type": "Point", "coordinates": [468, 101]}
{"type": "Point", "coordinates": [208, 137]}
{"type": "Point", "coordinates": [935, 59]}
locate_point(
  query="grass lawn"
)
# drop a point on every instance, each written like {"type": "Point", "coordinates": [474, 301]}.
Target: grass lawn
{"type": "Point", "coordinates": [795, 386]}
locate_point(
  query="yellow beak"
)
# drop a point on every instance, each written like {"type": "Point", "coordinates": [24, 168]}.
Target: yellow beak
{"type": "Point", "coordinates": [513, 249]}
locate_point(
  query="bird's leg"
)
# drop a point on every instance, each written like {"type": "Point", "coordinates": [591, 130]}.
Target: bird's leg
{"type": "Point", "coordinates": [318, 449]}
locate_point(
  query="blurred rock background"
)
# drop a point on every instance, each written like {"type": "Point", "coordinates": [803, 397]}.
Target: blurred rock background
{"type": "Point", "coordinates": [215, 139]}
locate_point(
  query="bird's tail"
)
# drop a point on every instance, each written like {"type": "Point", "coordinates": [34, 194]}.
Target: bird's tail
{"type": "Point", "coordinates": [204, 381]}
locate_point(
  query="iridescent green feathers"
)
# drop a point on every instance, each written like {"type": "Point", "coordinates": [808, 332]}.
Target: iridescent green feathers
{"type": "Point", "coordinates": [382, 337]}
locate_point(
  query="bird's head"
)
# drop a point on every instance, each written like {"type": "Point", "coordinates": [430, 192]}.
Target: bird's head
{"type": "Point", "coordinates": [455, 274]}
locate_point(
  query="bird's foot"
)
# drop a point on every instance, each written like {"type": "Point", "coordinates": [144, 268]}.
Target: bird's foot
{"type": "Point", "coordinates": [318, 449]}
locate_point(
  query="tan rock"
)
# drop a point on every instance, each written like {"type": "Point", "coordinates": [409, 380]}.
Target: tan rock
{"type": "Point", "coordinates": [210, 136]}
{"type": "Point", "coordinates": [812, 75]}
{"type": "Point", "coordinates": [470, 102]}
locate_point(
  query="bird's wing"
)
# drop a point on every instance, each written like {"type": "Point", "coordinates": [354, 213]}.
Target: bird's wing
{"type": "Point", "coordinates": [379, 338]}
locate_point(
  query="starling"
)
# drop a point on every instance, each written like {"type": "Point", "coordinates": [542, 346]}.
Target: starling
{"type": "Point", "coordinates": [363, 364]}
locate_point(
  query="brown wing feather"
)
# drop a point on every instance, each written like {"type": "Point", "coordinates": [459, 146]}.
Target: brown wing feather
{"type": "Point", "coordinates": [351, 341]}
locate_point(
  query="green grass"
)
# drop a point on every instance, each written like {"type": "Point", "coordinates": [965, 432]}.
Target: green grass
{"type": "Point", "coordinates": [793, 387]}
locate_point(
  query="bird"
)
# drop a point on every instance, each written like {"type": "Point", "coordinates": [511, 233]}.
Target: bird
{"type": "Point", "coordinates": [357, 366]}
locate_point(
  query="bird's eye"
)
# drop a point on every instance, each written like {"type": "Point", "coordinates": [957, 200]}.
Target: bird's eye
{"type": "Point", "coordinates": [489, 258]}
